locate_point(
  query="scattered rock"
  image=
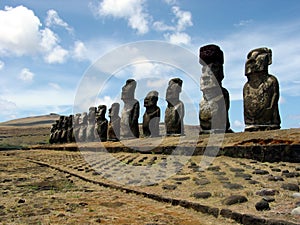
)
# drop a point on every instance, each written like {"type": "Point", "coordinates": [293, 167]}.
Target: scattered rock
{"type": "Point", "coordinates": [213, 168]}
{"type": "Point", "coordinates": [296, 195]}
{"type": "Point", "coordinates": [202, 195]}
{"type": "Point", "coordinates": [237, 170]}
{"type": "Point", "coordinates": [297, 168]}
{"type": "Point", "coordinates": [290, 187]}
{"type": "Point", "coordinates": [233, 186]}
{"type": "Point", "coordinates": [262, 205]}
{"type": "Point", "coordinates": [260, 172]}
{"type": "Point", "coordinates": [21, 201]}
{"type": "Point", "coordinates": [253, 182]}
{"type": "Point", "coordinates": [276, 170]}
{"type": "Point", "coordinates": [203, 181]}
{"type": "Point", "coordinates": [235, 199]}
{"type": "Point", "coordinates": [268, 199]}
{"type": "Point", "coordinates": [98, 220]}
{"type": "Point", "coordinates": [275, 178]}
{"type": "Point", "coordinates": [61, 215]}
{"type": "Point", "coordinates": [181, 178]}
{"type": "Point", "coordinates": [291, 174]}
{"type": "Point", "coordinates": [267, 192]}
{"type": "Point", "coordinates": [169, 187]}
{"type": "Point", "coordinates": [296, 211]}
{"type": "Point", "coordinates": [243, 175]}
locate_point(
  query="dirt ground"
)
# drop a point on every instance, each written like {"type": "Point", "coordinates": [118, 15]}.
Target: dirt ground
{"type": "Point", "coordinates": [35, 194]}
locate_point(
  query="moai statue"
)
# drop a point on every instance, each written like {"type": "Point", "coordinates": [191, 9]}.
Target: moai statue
{"type": "Point", "coordinates": [70, 133]}
{"type": "Point", "coordinates": [215, 102]}
{"type": "Point", "coordinates": [175, 110]}
{"type": "Point", "coordinates": [64, 133]}
{"type": "Point", "coordinates": [151, 117]}
{"type": "Point", "coordinates": [90, 131]}
{"type": "Point", "coordinates": [130, 112]}
{"type": "Point", "coordinates": [261, 92]}
{"type": "Point", "coordinates": [113, 131]}
{"type": "Point", "coordinates": [59, 130]}
{"type": "Point", "coordinates": [53, 130]}
{"type": "Point", "coordinates": [76, 126]}
{"type": "Point", "coordinates": [83, 125]}
{"type": "Point", "coordinates": [102, 123]}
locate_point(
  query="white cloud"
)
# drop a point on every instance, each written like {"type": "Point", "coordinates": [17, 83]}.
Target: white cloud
{"type": "Point", "coordinates": [80, 51]}
{"type": "Point", "coordinates": [2, 64]}
{"type": "Point", "coordinates": [57, 55]}
{"type": "Point", "coordinates": [8, 109]}
{"type": "Point", "coordinates": [19, 33]}
{"type": "Point", "coordinates": [106, 100]}
{"type": "Point", "coordinates": [53, 19]}
{"type": "Point", "coordinates": [243, 23]}
{"type": "Point", "coordinates": [170, 2]}
{"type": "Point", "coordinates": [184, 18]}
{"type": "Point", "coordinates": [181, 21]}
{"type": "Point", "coordinates": [178, 38]}
{"type": "Point", "coordinates": [238, 124]}
{"type": "Point", "coordinates": [131, 10]}
{"type": "Point", "coordinates": [26, 75]}
{"type": "Point", "coordinates": [55, 86]}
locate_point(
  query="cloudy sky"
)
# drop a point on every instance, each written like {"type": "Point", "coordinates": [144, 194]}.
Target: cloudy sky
{"type": "Point", "coordinates": [50, 49]}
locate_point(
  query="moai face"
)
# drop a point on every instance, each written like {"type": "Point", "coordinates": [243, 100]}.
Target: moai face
{"type": "Point", "coordinates": [113, 112]}
{"type": "Point", "coordinates": [151, 99]}
{"type": "Point", "coordinates": [258, 61]}
{"type": "Point", "coordinates": [128, 90]}
{"type": "Point", "coordinates": [102, 111]}
{"type": "Point", "coordinates": [173, 90]}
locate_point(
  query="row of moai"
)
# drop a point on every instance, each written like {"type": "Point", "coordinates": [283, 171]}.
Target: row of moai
{"type": "Point", "coordinates": [260, 95]}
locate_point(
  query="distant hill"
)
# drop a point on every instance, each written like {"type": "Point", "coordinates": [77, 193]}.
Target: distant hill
{"type": "Point", "coordinates": [43, 120]}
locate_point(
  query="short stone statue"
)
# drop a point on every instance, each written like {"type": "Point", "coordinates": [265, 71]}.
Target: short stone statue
{"type": "Point", "coordinates": [113, 132]}
{"type": "Point", "coordinates": [90, 131]}
{"type": "Point", "coordinates": [151, 116]}
{"type": "Point", "coordinates": [130, 112]}
{"type": "Point", "coordinates": [102, 123]}
{"type": "Point", "coordinates": [260, 93]}
{"type": "Point", "coordinates": [83, 125]}
{"type": "Point", "coordinates": [70, 133]}
{"type": "Point", "coordinates": [53, 131]}
{"type": "Point", "coordinates": [174, 113]}
{"type": "Point", "coordinates": [76, 126]}
{"type": "Point", "coordinates": [214, 104]}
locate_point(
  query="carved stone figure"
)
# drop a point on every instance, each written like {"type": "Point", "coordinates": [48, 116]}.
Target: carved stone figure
{"type": "Point", "coordinates": [151, 117]}
{"type": "Point", "coordinates": [53, 130]}
{"type": "Point", "coordinates": [113, 132]}
{"type": "Point", "coordinates": [261, 92]}
{"type": "Point", "coordinates": [90, 131]}
{"type": "Point", "coordinates": [59, 130]}
{"type": "Point", "coordinates": [174, 113]}
{"type": "Point", "coordinates": [70, 134]}
{"type": "Point", "coordinates": [130, 112]}
{"type": "Point", "coordinates": [215, 102]}
{"type": "Point", "coordinates": [83, 125]}
{"type": "Point", "coordinates": [76, 126]}
{"type": "Point", "coordinates": [102, 123]}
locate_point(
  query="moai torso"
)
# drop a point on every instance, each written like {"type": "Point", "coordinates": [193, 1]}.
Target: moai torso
{"type": "Point", "coordinates": [83, 125]}
{"type": "Point", "coordinates": [174, 113]}
{"type": "Point", "coordinates": [90, 132]}
{"type": "Point", "coordinates": [214, 104]}
{"type": "Point", "coordinates": [260, 93]}
{"type": "Point", "coordinates": [151, 116]}
{"type": "Point", "coordinates": [102, 123]}
{"type": "Point", "coordinates": [113, 132]}
{"type": "Point", "coordinates": [131, 111]}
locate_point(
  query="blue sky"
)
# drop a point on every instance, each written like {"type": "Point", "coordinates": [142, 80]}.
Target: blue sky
{"type": "Point", "coordinates": [48, 47]}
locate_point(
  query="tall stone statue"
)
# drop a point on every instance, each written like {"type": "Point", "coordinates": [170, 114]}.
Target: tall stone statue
{"type": "Point", "coordinates": [70, 133]}
{"type": "Point", "coordinates": [215, 102]}
{"type": "Point", "coordinates": [102, 123]}
{"type": "Point", "coordinates": [151, 117]}
{"type": "Point", "coordinates": [83, 125]}
{"type": "Point", "coordinates": [130, 112]}
{"type": "Point", "coordinates": [53, 131]}
{"type": "Point", "coordinates": [175, 110]}
{"type": "Point", "coordinates": [113, 132]}
{"type": "Point", "coordinates": [90, 131]}
{"type": "Point", "coordinates": [76, 126]}
{"type": "Point", "coordinates": [261, 92]}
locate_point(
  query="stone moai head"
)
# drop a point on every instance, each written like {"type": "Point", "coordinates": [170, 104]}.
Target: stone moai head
{"type": "Point", "coordinates": [173, 90]}
{"type": "Point", "coordinates": [128, 90]}
{"type": "Point", "coordinates": [84, 118]}
{"type": "Point", "coordinates": [258, 61]}
{"type": "Point", "coordinates": [113, 112]}
{"type": "Point", "coordinates": [102, 111]}
{"type": "Point", "coordinates": [92, 114]}
{"type": "Point", "coordinates": [151, 99]}
{"type": "Point", "coordinates": [211, 57]}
